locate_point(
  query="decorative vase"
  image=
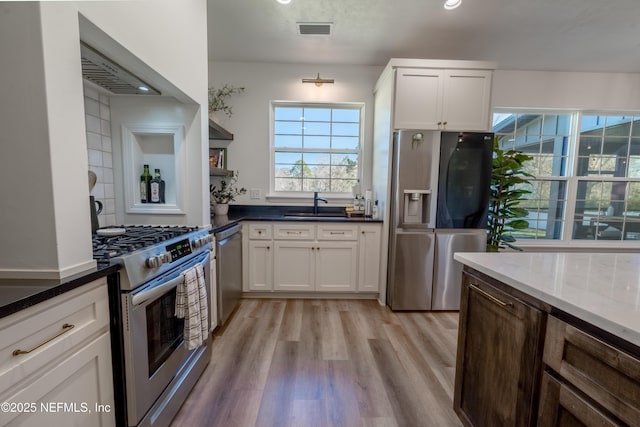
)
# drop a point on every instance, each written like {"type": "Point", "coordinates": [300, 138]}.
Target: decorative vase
{"type": "Point", "coordinates": [221, 209]}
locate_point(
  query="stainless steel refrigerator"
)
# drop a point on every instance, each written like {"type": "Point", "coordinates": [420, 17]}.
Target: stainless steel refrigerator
{"type": "Point", "coordinates": [439, 201]}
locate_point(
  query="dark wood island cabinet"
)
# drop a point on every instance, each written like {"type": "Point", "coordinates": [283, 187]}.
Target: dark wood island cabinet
{"type": "Point", "coordinates": [523, 361]}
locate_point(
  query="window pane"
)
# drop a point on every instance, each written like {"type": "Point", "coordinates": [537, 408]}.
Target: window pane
{"type": "Point", "coordinates": [345, 142]}
{"type": "Point", "coordinates": [614, 145]}
{"type": "Point", "coordinates": [317, 128]}
{"type": "Point", "coordinates": [346, 129]}
{"type": "Point", "coordinates": [617, 126]}
{"type": "Point", "coordinates": [347, 115]}
{"type": "Point", "coordinates": [288, 128]}
{"type": "Point", "coordinates": [288, 141]}
{"type": "Point", "coordinates": [592, 124]}
{"type": "Point", "coordinates": [317, 158]}
{"type": "Point", "coordinates": [343, 185]}
{"type": "Point", "coordinates": [289, 158]}
{"type": "Point", "coordinates": [288, 184]}
{"type": "Point", "coordinates": [635, 127]}
{"type": "Point", "coordinates": [323, 185]}
{"type": "Point", "coordinates": [317, 142]}
{"type": "Point", "coordinates": [288, 113]}
{"type": "Point", "coordinates": [556, 124]}
{"type": "Point", "coordinates": [317, 114]}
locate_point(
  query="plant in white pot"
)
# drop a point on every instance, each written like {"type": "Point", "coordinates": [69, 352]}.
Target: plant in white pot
{"type": "Point", "coordinates": [225, 193]}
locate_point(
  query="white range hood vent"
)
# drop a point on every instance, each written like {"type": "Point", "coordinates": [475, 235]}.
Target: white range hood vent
{"type": "Point", "coordinates": [106, 73]}
{"type": "Point", "coordinates": [314, 28]}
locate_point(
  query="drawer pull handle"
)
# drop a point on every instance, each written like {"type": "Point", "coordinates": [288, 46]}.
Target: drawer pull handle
{"type": "Point", "coordinates": [337, 232]}
{"type": "Point", "coordinates": [490, 297]}
{"type": "Point", "coordinates": [65, 328]}
{"type": "Point", "coordinates": [294, 232]}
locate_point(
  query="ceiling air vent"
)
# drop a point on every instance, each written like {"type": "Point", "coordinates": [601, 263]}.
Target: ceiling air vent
{"type": "Point", "coordinates": [314, 28]}
{"type": "Point", "coordinates": [102, 71]}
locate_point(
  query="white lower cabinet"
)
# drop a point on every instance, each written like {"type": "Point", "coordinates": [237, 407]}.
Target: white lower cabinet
{"type": "Point", "coordinates": [313, 257]}
{"type": "Point", "coordinates": [261, 265]}
{"type": "Point", "coordinates": [294, 266]}
{"type": "Point", "coordinates": [64, 377]}
{"type": "Point", "coordinates": [336, 266]}
{"type": "Point", "coordinates": [369, 258]}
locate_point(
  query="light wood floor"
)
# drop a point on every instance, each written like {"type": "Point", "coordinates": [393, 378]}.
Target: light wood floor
{"type": "Point", "coordinates": [330, 363]}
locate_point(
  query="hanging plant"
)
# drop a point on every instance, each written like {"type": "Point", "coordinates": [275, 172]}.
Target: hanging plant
{"type": "Point", "coordinates": [217, 98]}
{"type": "Point", "coordinates": [508, 182]}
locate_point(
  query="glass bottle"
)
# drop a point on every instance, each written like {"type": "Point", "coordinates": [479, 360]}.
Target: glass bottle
{"type": "Point", "coordinates": [145, 184]}
{"type": "Point", "coordinates": [157, 188]}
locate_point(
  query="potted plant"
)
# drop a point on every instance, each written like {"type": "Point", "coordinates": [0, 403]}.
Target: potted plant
{"type": "Point", "coordinates": [508, 182]}
{"type": "Point", "coordinates": [217, 98]}
{"type": "Point", "coordinates": [225, 193]}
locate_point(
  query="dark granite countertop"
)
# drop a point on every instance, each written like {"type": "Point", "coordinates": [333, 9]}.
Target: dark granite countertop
{"type": "Point", "coordinates": [238, 213]}
{"type": "Point", "coordinates": [18, 294]}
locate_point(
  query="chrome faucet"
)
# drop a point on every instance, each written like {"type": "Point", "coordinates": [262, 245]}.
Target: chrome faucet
{"type": "Point", "coordinates": [315, 202]}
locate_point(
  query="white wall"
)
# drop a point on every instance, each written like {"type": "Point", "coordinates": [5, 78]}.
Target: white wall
{"type": "Point", "coordinates": [45, 227]}
{"type": "Point", "coordinates": [545, 89]}
{"type": "Point", "coordinates": [136, 111]}
{"type": "Point", "coordinates": [264, 82]}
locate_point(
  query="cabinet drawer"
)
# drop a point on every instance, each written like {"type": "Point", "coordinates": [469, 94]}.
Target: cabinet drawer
{"type": "Point", "coordinates": [289, 231]}
{"type": "Point", "coordinates": [86, 308]}
{"type": "Point", "coordinates": [260, 231]}
{"type": "Point", "coordinates": [560, 405]}
{"type": "Point", "coordinates": [337, 232]}
{"type": "Point", "coordinates": [602, 372]}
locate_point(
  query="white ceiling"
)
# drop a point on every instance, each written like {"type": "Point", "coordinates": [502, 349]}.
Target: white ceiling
{"type": "Point", "coordinates": [566, 35]}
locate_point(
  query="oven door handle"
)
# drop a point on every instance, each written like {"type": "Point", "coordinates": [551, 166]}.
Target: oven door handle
{"type": "Point", "coordinates": [142, 297]}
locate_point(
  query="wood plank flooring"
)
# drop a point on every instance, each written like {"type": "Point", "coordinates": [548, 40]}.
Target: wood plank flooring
{"type": "Point", "coordinates": [331, 363]}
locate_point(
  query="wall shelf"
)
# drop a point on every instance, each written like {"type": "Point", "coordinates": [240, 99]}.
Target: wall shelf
{"type": "Point", "coordinates": [219, 172]}
{"type": "Point", "coordinates": [218, 132]}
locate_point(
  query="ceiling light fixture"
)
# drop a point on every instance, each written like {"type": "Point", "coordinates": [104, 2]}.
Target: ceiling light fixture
{"type": "Point", "coordinates": [452, 4]}
{"type": "Point", "coordinates": [284, 1]}
{"type": "Point", "coordinates": [318, 81]}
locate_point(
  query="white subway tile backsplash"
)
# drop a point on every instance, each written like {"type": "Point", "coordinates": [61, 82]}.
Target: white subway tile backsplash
{"type": "Point", "coordinates": [108, 191]}
{"type": "Point", "coordinates": [91, 107]}
{"type": "Point", "coordinates": [94, 141]}
{"type": "Point", "coordinates": [107, 160]}
{"type": "Point", "coordinates": [93, 124]}
{"type": "Point", "coordinates": [106, 144]}
{"type": "Point", "coordinates": [105, 127]}
{"type": "Point", "coordinates": [105, 112]}
{"type": "Point", "coordinates": [90, 92]}
{"type": "Point", "coordinates": [99, 151]}
{"type": "Point", "coordinates": [95, 157]}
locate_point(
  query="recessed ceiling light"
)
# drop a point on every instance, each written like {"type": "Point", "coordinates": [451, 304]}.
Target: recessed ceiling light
{"type": "Point", "coordinates": [449, 4]}
{"type": "Point", "coordinates": [143, 88]}
{"type": "Point", "coordinates": [284, 1]}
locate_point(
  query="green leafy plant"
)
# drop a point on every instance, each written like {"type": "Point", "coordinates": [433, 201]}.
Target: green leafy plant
{"type": "Point", "coordinates": [228, 190]}
{"type": "Point", "coordinates": [217, 98]}
{"type": "Point", "coordinates": [508, 188]}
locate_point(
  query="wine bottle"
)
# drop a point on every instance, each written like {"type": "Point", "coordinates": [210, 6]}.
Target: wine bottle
{"type": "Point", "coordinates": [145, 185]}
{"type": "Point", "coordinates": [157, 188]}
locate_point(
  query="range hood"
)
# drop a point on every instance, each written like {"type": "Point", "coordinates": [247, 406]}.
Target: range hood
{"type": "Point", "coordinates": [106, 73]}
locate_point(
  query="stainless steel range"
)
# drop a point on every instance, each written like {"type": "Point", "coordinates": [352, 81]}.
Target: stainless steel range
{"type": "Point", "coordinates": [154, 371]}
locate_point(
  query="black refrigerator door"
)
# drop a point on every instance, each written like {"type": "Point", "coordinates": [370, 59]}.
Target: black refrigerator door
{"type": "Point", "coordinates": [464, 179]}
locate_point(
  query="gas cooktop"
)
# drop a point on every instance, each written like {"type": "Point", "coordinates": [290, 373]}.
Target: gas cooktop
{"type": "Point", "coordinates": [126, 239]}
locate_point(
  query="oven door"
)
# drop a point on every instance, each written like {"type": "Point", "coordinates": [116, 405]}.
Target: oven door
{"type": "Point", "coordinates": [154, 350]}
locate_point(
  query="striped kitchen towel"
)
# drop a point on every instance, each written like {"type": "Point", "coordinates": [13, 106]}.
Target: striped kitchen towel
{"type": "Point", "coordinates": [191, 305]}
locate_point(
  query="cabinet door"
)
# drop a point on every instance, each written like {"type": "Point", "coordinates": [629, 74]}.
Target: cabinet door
{"type": "Point", "coordinates": [260, 265]}
{"type": "Point", "coordinates": [293, 266]}
{"type": "Point", "coordinates": [499, 354]}
{"type": "Point", "coordinates": [561, 406]}
{"type": "Point", "coordinates": [369, 259]}
{"type": "Point", "coordinates": [336, 266]}
{"type": "Point", "coordinates": [82, 381]}
{"type": "Point", "coordinates": [466, 100]}
{"type": "Point", "coordinates": [418, 99]}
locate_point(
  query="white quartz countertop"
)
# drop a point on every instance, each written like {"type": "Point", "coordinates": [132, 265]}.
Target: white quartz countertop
{"type": "Point", "coordinates": [600, 288]}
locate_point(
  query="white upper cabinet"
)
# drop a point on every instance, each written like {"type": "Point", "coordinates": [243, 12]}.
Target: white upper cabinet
{"type": "Point", "coordinates": [442, 99]}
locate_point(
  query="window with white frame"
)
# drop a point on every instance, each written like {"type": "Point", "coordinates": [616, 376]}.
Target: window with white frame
{"type": "Point", "coordinates": [316, 147]}
{"type": "Point", "coordinates": [586, 169]}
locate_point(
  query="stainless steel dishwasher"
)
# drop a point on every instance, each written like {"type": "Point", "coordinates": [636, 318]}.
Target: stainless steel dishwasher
{"type": "Point", "coordinates": [229, 270]}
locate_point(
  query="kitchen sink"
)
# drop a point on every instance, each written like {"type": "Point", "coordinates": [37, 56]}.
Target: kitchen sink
{"type": "Point", "coordinates": [311, 215]}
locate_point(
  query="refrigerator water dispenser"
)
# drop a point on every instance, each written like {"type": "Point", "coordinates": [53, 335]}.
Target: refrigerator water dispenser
{"type": "Point", "coordinates": [416, 206]}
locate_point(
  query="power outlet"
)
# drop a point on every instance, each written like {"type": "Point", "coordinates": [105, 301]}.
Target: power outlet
{"type": "Point", "coordinates": [254, 193]}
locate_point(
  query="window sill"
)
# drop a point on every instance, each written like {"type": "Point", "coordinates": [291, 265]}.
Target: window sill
{"type": "Point", "coordinates": [337, 199]}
